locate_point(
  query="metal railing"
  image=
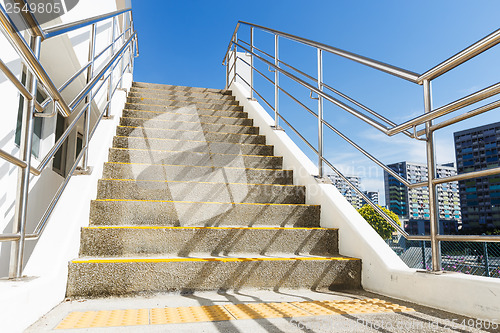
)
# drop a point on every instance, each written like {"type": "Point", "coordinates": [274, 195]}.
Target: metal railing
{"type": "Point", "coordinates": [323, 91]}
{"type": "Point", "coordinates": [116, 59]}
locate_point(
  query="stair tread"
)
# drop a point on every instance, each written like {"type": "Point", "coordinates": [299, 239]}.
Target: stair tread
{"type": "Point", "coordinates": [196, 152]}
{"type": "Point", "coordinates": [201, 166]}
{"type": "Point", "coordinates": [214, 100]}
{"type": "Point", "coordinates": [185, 121]}
{"type": "Point", "coordinates": [195, 113]}
{"type": "Point", "coordinates": [170, 129]}
{"type": "Point", "coordinates": [205, 141]}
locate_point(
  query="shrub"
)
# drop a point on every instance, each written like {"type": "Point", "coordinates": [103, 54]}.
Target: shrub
{"type": "Point", "coordinates": [381, 226]}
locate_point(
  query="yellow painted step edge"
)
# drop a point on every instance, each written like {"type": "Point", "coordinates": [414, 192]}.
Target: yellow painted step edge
{"type": "Point", "coordinates": [200, 228]}
{"type": "Point", "coordinates": [165, 260]}
{"type": "Point", "coordinates": [206, 202]}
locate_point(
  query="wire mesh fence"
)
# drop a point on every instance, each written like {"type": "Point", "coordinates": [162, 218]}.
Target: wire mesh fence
{"type": "Point", "coordinates": [465, 257]}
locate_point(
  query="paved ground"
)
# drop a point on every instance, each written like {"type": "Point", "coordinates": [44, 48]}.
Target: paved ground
{"type": "Point", "coordinates": [421, 320]}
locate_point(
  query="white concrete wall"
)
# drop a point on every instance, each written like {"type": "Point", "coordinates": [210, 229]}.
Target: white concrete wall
{"type": "Point", "coordinates": [382, 270]}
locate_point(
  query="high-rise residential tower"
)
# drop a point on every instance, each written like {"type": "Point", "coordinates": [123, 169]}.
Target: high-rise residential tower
{"type": "Point", "coordinates": [412, 205]}
{"type": "Point", "coordinates": [478, 149]}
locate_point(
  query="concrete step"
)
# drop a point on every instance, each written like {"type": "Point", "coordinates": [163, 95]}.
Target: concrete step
{"type": "Point", "coordinates": [181, 95]}
{"type": "Point", "coordinates": [182, 105]}
{"type": "Point", "coordinates": [199, 191]}
{"type": "Point", "coordinates": [188, 126]}
{"type": "Point", "coordinates": [174, 100]}
{"type": "Point", "coordinates": [94, 277]}
{"type": "Point", "coordinates": [191, 117]}
{"type": "Point", "coordinates": [195, 146]}
{"type": "Point", "coordinates": [144, 132]}
{"type": "Point", "coordinates": [156, 86]}
{"type": "Point", "coordinates": [201, 214]}
{"type": "Point", "coordinates": [159, 157]}
{"type": "Point", "coordinates": [201, 173]}
{"type": "Point", "coordinates": [113, 241]}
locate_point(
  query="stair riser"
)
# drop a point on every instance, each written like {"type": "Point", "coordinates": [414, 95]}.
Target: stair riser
{"type": "Point", "coordinates": [168, 87]}
{"type": "Point", "coordinates": [201, 214]}
{"type": "Point", "coordinates": [155, 133]}
{"type": "Point", "coordinates": [194, 159]}
{"type": "Point", "coordinates": [188, 126]}
{"type": "Point", "coordinates": [105, 279]}
{"type": "Point", "coordinates": [179, 191]}
{"type": "Point", "coordinates": [181, 107]}
{"type": "Point", "coordinates": [179, 95]}
{"type": "Point", "coordinates": [173, 117]}
{"type": "Point", "coordinates": [207, 242]}
{"type": "Point", "coordinates": [202, 174]}
{"type": "Point", "coordinates": [176, 101]}
{"type": "Point", "coordinates": [194, 146]}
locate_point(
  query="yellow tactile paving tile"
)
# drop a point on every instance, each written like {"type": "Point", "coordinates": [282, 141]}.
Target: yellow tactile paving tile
{"type": "Point", "coordinates": [350, 307]}
{"type": "Point", "coordinates": [189, 314]}
{"type": "Point", "coordinates": [179, 315]}
{"type": "Point", "coordinates": [265, 310]}
{"type": "Point", "coordinates": [113, 318]}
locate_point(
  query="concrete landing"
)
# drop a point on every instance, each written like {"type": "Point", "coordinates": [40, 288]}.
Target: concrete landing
{"type": "Point", "coordinates": [298, 311]}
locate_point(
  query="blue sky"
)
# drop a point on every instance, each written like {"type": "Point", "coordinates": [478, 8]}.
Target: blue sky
{"type": "Point", "coordinates": [183, 43]}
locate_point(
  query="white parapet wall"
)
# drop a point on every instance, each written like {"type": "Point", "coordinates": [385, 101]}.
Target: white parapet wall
{"type": "Point", "coordinates": [383, 272]}
{"type": "Point", "coordinates": [25, 301]}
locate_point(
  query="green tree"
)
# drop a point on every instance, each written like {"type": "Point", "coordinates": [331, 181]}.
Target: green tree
{"type": "Point", "coordinates": [381, 226]}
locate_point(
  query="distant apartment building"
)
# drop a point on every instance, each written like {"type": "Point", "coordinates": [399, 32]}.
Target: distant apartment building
{"type": "Point", "coordinates": [412, 205]}
{"type": "Point", "coordinates": [373, 196]}
{"type": "Point", "coordinates": [478, 149]}
{"type": "Point", "coordinates": [351, 195]}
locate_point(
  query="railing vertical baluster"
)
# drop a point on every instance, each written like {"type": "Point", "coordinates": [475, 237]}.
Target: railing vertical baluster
{"type": "Point", "coordinates": [486, 261]}
{"type": "Point", "coordinates": [431, 175]}
{"type": "Point", "coordinates": [235, 58]}
{"type": "Point", "coordinates": [320, 114]}
{"type": "Point", "coordinates": [251, 63]}
{"type": "Point", "coordinates": [88, 113]}
{"type": "Point", "coordinates": [227, 71]}
{"type": "Point", "coordinates": [276, 83]}
{"type": "Point", "coordinates": [424, 261]}
{"type": "Point", "coordinates": [17, 252]}
{"type": "Point", "coordinates": [110, 81]}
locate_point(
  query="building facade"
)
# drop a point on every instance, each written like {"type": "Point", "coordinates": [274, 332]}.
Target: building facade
{"type": "Point", "coordinates": [351, 195]}
{"type": "Point", "coordinates": [373, 196]}
{"type": "Point", "coordinates": [477, 149]}
{"type": "Point", "coordinates": [412, 205]}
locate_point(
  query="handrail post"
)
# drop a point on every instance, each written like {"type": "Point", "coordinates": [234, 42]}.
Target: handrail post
{"type": "Point", "coordinates": [320, 114]}
{"type": "Point", "coordinates": [88, 113]}
{"type": "Point", "coordinates": [17, 253]}
{"type": "Point", "coordinates": [431, 175]}
{"type": "Point", "coordinates": [251, 63]}
{"type": "Point", "coordinates": [235, 58]}
{"type": "Point", "coordinates": [110, 82]}
{"type": "Point", "coordinates": [276, 83]}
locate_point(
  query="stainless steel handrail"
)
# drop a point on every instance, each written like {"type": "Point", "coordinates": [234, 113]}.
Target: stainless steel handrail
{"type": "Point", "coordinates": [61, 29]}
{"type": "Point", "coordinates": [393, 70]}
{"type": "Point", "coordinates": [426, 119]}
{"type": "Point", "coordinates": [128, 40]}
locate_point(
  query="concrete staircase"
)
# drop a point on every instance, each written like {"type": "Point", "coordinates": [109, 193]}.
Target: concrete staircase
{"type": "Point", "coordinates": [193, 199]}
